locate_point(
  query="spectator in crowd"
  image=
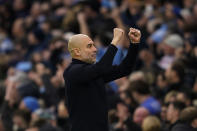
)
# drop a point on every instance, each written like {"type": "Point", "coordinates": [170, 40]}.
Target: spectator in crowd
{"type": "Point", "coordinates": [187, 119]}
{"type": "Point", "coordinates": [141, 93]}
{"type": "Point", "coordinates": [171, 43]}
{"type": "Point", "coordinates": [29, 103]}
{"type": "Point", "coordinates": [175, 76]}
{"type": "Point", "coordinates": [125, 121]}
{"type": "Point", "coordinates": [151, 123]}
{"type": "Point", "coordinates": [173, 113]}
{"type": "Point", "coordinates": [184, 97]}
{"type": "Point", "coordinates": [21, 119]}
{"type": "Point", "coordinates": [139, 115]}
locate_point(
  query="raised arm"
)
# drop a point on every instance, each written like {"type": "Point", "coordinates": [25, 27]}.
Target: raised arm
{"type": "Point", "coordinates": [104, 69]}
{"type": "Point", "coordinates": [126, 67]}
{"type": "Point", "coordinates": [87, 72]}
{"type": "Point", "coordinates": [108, 57]}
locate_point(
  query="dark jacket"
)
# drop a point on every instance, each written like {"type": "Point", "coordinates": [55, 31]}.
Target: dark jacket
{"type": "Point", "coordinates": [85, 89]}
{"type": "Point", "coordinates": [6, 116]}
{"type": "Point", "coordinates": [183, 127]}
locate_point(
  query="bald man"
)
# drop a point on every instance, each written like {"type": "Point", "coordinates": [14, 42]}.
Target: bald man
{"type": "Point", "coordinates": [140, 114]}
{"type": "Point", "coordinates": [85, 80]}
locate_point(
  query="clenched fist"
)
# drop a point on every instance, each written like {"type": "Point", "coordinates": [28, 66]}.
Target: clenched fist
{"type": "Point", "coordinates": [134, 35]}
{"type": "Point", "coordinates": [118, 34]}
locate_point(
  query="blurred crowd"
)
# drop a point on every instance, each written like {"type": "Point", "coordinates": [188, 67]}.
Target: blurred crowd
{"type": "Point", "coordinates": [159, 95]}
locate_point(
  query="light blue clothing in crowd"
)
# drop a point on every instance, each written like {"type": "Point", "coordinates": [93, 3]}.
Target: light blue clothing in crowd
{"type": "Point", "coordinates": [159, 34]}
{"type": "Point", "coordinates": [6, 45]}
{"type": "Point", "coordinates": [109, 4]}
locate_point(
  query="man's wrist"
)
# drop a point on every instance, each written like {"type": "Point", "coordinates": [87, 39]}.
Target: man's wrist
{"type": "Point", "coordinates": [135, 42]}
{"type": "Point", "coordinates": [115, 41]}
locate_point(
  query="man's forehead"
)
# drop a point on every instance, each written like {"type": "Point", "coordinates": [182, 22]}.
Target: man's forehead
{"type": "Point", "coordinates": [87, 40]}
{"type": "Point", "coordinates": [79, 40]}
{"type": "Point", "coordinates": [82, 37]}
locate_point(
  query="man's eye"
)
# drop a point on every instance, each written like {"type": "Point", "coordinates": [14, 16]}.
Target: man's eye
{"type": "Point", "coordinates": [89, 46]}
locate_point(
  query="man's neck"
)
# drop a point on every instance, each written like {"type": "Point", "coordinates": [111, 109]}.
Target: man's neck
{"type": "Point", "coordinates": [77, 58]}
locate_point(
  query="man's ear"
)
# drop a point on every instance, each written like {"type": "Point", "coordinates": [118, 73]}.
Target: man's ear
{"type": "Point", "coordinates": [76, 51]}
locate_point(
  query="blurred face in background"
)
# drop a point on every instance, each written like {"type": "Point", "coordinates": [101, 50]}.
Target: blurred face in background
{"type": "Point", "coordinates": [32, 39]}
{"type": "Point", "coordinates": [194, 123]}
{"type": "Point", "coordinates": [167, 49]}
{"type": "Point", "coordinates": [161, 82]}
{"type": "Point", "coordinates": [183, 98]}
{"type": "Point", "coordinates": [140, 114]}
{"type": "Point", "coordinates": [188, 3]}
{"type": "Point", "coordinates": [136, 96]}
{"type": "Point", "coordinates": [195, 10]}
{"type": "Point", "coordinates": [18, 29]}
{"type": "Point", "coordinates": [32, 129]}
{"type": "Point", "coordinates": [170, 74]}
{"type": "Point", "coordinates": [18, 5]}
{"type": "Point", "coordinates": [1, 126]}
{"type": "Point", "coordinates": [68, 2]}
{"type": "Point", "coordinates": [36, 9]}
{"type": "Point", "coordinates": [163, 113]}
{"type": "Point", "coordinates": [19, 122]}
{"type": "Point", "coordinates": [172, 114]}
{"type": "Point", "coordinates": [169, 14]}
{"type": "Point", "coordinates": [134, 7]}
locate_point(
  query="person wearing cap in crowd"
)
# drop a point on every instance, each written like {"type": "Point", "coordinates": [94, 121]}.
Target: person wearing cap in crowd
{"type": "Point", "coordinates": [170, 44]}
{"type": "Point", "coordinates": [29, 103]}
{"type": "Point", "coordinates": [85, 90]}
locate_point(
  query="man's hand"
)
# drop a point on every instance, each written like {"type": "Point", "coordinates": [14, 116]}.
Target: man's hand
{"type": "Point", "coordinates": [118, 34]}
{"type": "Point", "coordinates": [134, 35]}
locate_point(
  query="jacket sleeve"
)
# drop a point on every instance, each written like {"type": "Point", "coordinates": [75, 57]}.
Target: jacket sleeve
{"type": "Point", "coordinates": [125, 68]}
{"type": "Point", "coordinates": [6, 116]}
{"type": "Point", "coordinates": [108, 57]}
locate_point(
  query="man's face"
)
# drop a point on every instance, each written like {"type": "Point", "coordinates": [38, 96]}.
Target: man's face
{"type": "Point", "coordinates": [136, 96]}
{"type": "Point", "coordinates": [19, 122]}
{"type": "Point", "coordinates": [194, 123]}
{"type": "Point", "coordinates": [172, 113]}
{"type": "Point", "coordinates": [168, 50]}
{"type": "Point", "coordinates": [169, 74]}
{"type": "Point", "coordinates": [139, 115]}
{"type": "Point", "coordinates": [88, 51]}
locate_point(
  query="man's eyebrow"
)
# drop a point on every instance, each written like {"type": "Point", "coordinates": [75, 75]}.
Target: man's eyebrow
{"type": "Point", "coordinates": [89, 44]}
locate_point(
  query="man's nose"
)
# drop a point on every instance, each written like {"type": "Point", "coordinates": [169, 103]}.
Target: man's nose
{"type": "Point", "coordinates": [94, 49]}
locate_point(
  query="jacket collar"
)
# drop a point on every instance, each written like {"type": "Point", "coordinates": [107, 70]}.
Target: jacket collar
{"type": "Point", "coordinates": [76, 61]}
